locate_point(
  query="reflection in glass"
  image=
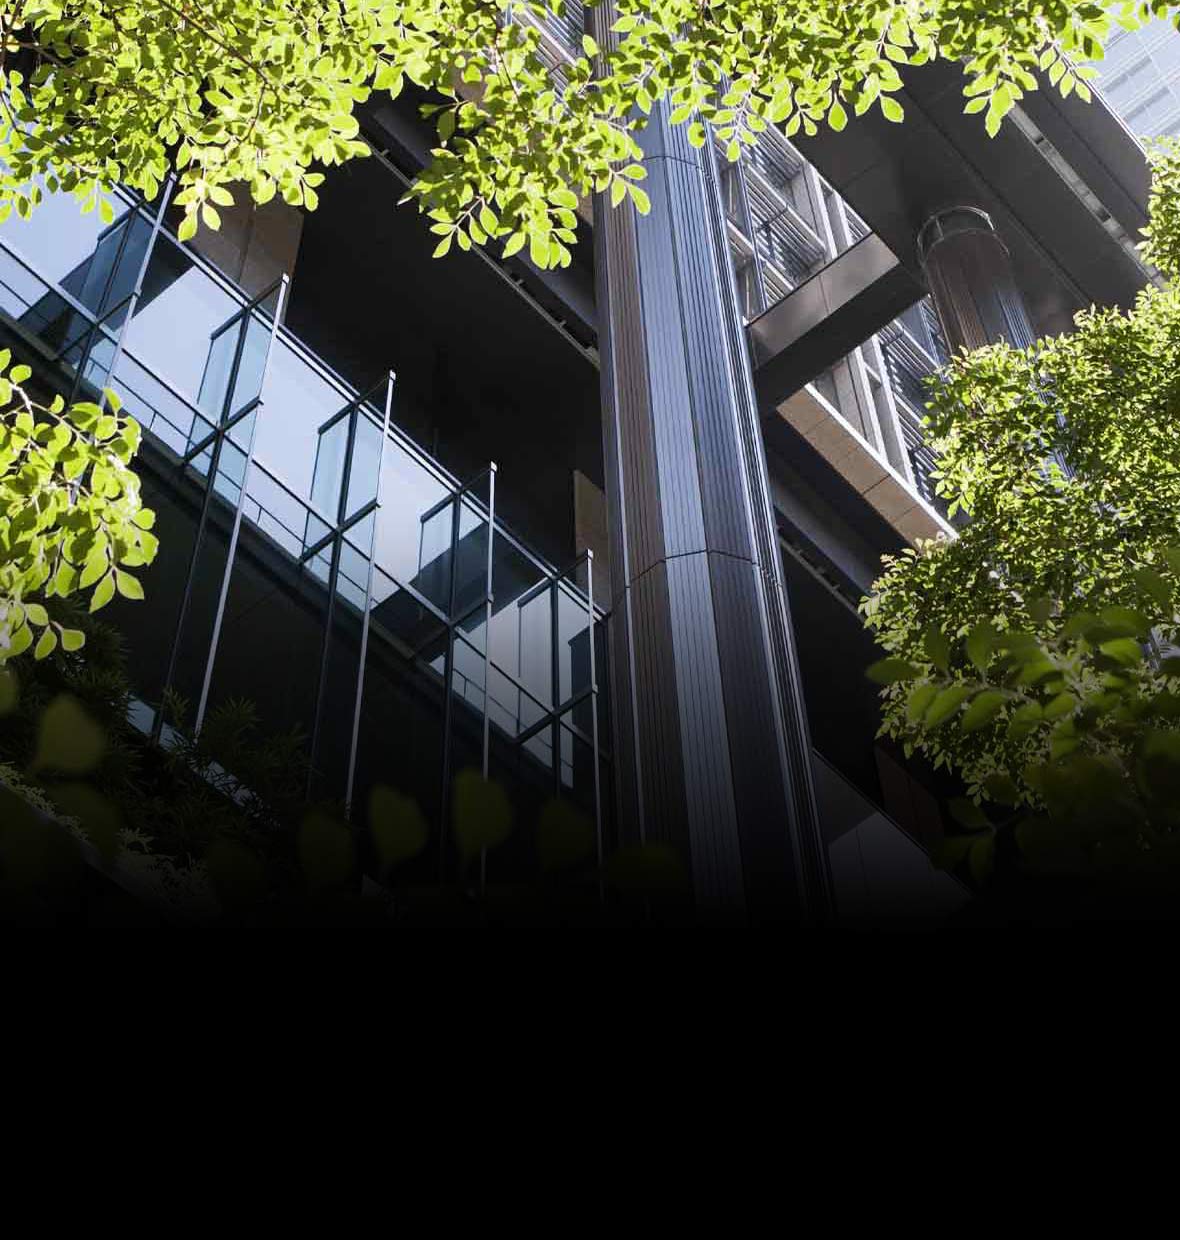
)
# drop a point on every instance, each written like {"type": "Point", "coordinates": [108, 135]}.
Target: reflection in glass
{"type": "Point", "coordinates": [175, 320]}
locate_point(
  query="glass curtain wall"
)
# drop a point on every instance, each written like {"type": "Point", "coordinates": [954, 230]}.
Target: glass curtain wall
{"type": "Point", "coordinates": [315, 563]}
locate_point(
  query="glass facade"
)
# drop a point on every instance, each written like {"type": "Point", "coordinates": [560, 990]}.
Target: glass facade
{"type": "Point", "coordinates": [1140, 78]}
{"type": "Point", "coordinates": [315, 561]}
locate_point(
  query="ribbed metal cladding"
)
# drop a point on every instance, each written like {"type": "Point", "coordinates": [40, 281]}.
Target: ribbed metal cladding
{"type": "Point", "coordinates": [711, 744]}
{"type": "Point", "coordinates": [970, 275]}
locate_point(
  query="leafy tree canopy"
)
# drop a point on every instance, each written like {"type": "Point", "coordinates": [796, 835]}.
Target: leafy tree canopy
{"type": "Point", "coordinates": [1031, 653]}
{"type": "Point", "coordinates": [263, 92]}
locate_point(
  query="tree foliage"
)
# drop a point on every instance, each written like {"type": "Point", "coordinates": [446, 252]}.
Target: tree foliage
{"type": "Point", "coordinates": [71, 519]}
{"type": "Point", "coordinates": [1031, 652]}
{"type": "Point", "coordinates": [264, 92]}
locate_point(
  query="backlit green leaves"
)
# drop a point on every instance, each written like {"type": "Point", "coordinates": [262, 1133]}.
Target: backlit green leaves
{"type": "Point", "coordinates": [71, 520]}
{"type": "Point", "coordinates": [263, 92]}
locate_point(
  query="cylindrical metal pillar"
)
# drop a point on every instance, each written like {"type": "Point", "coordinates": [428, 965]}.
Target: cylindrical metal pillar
{"type": "Point", "coordinates": [970, 276]}
{"type": "Point", "coordinates": [712, 752]}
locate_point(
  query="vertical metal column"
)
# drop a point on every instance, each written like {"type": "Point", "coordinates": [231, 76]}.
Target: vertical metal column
{"type": "Point", "coordinates": [970, 275]}
{"type": "Point", "coordinates": [136, 291]}
{"type": "Point", "coordinates": [344, 521]}
{"type": "Point", "coordinates": [364, 653]}
{"type": "Point", "coordinates": [231, 551]}
{"type": "Point", "coordinates": [455, 500]}
{"type": "Point", "coordinates": [487, 655]}
{"type": "Point", "coordinates": [594, 720]}
{"type": "Point", "coordinates": [712, 750]}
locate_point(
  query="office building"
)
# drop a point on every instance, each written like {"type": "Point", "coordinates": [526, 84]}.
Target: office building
{"type": "Point", "coordinates": [598, 533]}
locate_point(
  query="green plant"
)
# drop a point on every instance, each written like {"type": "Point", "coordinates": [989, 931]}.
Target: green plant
{"type": "Point", "coordinates": [71, 519]}
{"type": "Point", "coordinates": [261, 92]}
{"type": "Point", "coordinates": [1030, 654]}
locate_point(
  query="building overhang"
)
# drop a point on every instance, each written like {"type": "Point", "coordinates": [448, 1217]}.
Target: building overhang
{"type": "Point", "coordinates": [1064, 181]}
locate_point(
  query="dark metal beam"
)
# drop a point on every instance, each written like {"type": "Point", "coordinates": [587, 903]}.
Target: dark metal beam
{"type": "Point", "coordinates": [827, 316]}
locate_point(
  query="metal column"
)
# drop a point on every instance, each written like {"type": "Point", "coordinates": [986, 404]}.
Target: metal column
{"type": "Point", "coordinates": [970, 275]}
{"type": "Point", "coordinates": [711, 746]}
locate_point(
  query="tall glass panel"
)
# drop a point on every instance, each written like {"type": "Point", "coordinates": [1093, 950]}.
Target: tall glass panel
{"type": "Point", "coordinates": [149, 625]}
{"type": "Point", "coordinates": [304, 400]}
{"type": "Point", "coordinates": [176, 319]}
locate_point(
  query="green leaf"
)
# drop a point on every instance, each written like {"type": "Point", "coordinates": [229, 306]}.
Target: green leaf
{"type": "Point", "coordinates": [980, 643]}
{"type": "Point", "coordinates": [937, 648]}
{"type": "Point", "coordinates": [1040, 609]}
{"type": "Point", "coordinates": [919, 700]}
{"type": "Point", "coordinates": [646, 871]}
{"type": "Point", "coordinates": [1125, 622]}
{"type": "Point", "coordinates": [1024, 720]}
{"type": "Point", "coordinates": [1152, 584]}
{"type": "Point", "coordinates": [891, 109]}
{"type": "Point", "coordinates": [640, 199]}
{"type": "Point", "coordinates": [481, 812]}
{"type": "Point", "coordinates": [95, 567]}
{"type": "Point", "coordinates": [946, 704]}
{"type": "Point", "coordinates": [1079, 625]}
{"type": "Point", "coordinates": [890, 671]}
{"type": "Point", "coordinates": [46, 645]}
{"type": "Point", "coordinates": [103, 592]}
{"type": "Point", "coordinates": [984, 708]}
{"type": "Point", "coordinates": [1124, 650]}
{"type": "Point", "coordinates": [128, 586]}
{"type": "Point", "coordinates": [68, 739]}
{"type": "Point", "coordinates": [397, 825]}
{"type": "Point", "coordinates": [539, 250]}
{"type": "Point", "coordinates": [1062, 704]}
{"type": "Point", "coordinates": [1001, 788]}
{"type": "Point", "coordinates": [72, 639]}
{"type": "Point", "coordinates": [837, 117]}
{"type": "Point", "coordinates": [21, 640]}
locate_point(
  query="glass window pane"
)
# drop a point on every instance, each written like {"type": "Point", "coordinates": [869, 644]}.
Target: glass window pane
{"type": "Point", "coordinates": [366, 462]}
{"type": "Point", "coordinates": [157, 408]}
{"type": "Point", "coordinates": [331, 449]}
{"type": "Point", "coordinates": [57, 239]}
{"type": "Point", "coordinates": [175, 322]}
{"type": "Point", "coordinates": [299, 400]}
{"type": "Point", "coordinates": [408, 490]}
{"type": "Point", "coordinates": [573, 645]}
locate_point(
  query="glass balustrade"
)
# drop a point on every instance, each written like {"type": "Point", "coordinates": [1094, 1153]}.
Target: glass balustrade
{"type": "Point", "coordinates": [315, 561]}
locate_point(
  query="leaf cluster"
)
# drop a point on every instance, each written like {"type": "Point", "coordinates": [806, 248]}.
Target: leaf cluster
{"type": "Point", "coordinates": [261, 94]}
{"type": "Point", "coordinates": [71, 518]}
